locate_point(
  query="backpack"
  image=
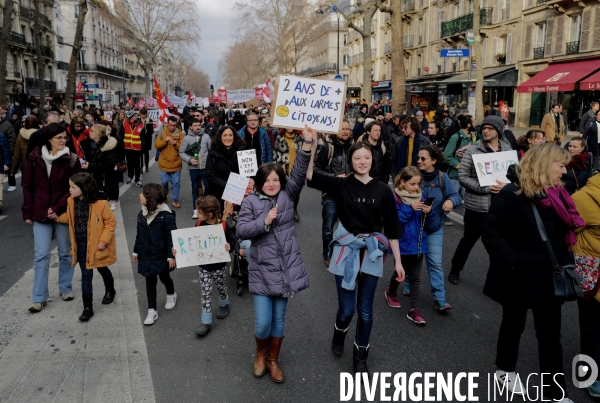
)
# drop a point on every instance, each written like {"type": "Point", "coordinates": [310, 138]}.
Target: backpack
{"type": "Point", "coordinates": [445, 167]}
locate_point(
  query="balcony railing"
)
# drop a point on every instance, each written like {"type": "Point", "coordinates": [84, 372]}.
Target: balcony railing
{"type": "Point", "coordinates": [47, 51]}
{"type": "Point", "coordinates": [538, 53]}
{"type": "Point", "coordinates": [322, 67]}
{"type": "Point", "coordinates": [388, 48]}
{"type": "Point", "coordinates": [51, 85]}
{"type": "Point", "coordinates": [32, 82]}
{"type": "Point", "coordinates": [462, 24]}
{"type": "Point", "coordinates": [408, 5]}
{"type": "Point", "coordinates": [408, 41]}
{"type": "Point", "coordinates": [572, 48]}
{"type": "Point", "coordinates": [29, 14]}
{"type": "Point", "coordinates": [85, 67]}
{"type": "Point", "coordinates": [16, 38]}
{"type": "Point", "coordinates": [140, 78]}
{"type": "Point", "coordinates": [63, 66]}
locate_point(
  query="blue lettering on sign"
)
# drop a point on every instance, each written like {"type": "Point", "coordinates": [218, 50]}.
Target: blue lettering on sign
{"type": "Point", "coordinates": [454, 52]}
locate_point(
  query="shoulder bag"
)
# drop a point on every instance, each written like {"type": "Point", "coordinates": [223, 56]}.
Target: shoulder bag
{"type": "Point", "coordinates": [566, 280]}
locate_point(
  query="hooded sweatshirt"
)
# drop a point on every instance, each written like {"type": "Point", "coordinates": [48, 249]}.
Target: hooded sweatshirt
{"type": "Point", "coordinates": [187, 148]}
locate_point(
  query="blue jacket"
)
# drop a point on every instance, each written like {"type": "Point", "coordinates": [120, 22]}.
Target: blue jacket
{"type": "Point", "coordinates": [345, 258]}
{"type": "Point", "coordinates": [414, 238]}
{"type": "Point", "coordinates": [5, 154]}
{"type": "Point", "coordinates": [266, 150]}
{"type": "Point", "coordinates": [432, 189]}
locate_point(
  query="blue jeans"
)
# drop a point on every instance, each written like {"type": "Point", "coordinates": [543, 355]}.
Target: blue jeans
{"type": "Point", "coordinates": [42, 238]}
{"type": "Point", "coordinates": [174, 178]}
{"type": "Point", "coordinates": [361, 297]}
{"type": "Point", "coordinates": [329, 218]}
{"type": "Point", "coordinates": [435, 243]}
{"type": "Point", "coordinates": [197, 175]}
{"type": "Point", "coordinates": [270, 316]}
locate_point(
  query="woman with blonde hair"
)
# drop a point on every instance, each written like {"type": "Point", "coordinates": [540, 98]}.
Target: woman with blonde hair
{"type": "Point", "coordinates": [520, 277]}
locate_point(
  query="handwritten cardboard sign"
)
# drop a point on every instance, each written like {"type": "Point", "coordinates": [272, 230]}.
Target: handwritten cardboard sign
{"type": "Point", "coordinates": [108, 115]}
{"type": "Point", "coordinates": [235, 188]}
{"type": "Point", "coordinates": [493, 166]}
{"type": "Point", "coordinates": [200, 245]}
{"type": "Point", "coordinates": [247, 162]}
{"type": "Point", "coordinates": [301, 101]}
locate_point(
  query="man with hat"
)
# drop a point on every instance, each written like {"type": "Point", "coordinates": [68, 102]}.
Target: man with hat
{"type": "Point", "coordinates": [477, 198]}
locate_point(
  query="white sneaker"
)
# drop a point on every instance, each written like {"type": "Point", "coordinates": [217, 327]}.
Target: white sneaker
{"type": "Point", "coordinates": [195, 214]}
{"type": "Point", "coordinates": [151, 318]}
{"type": "Point", "coordinates": [12, 188]}
{"type": "Point", "coordinates": [171, 301]}
{"type": "Point", "coordinates": [113, 205]}
{"type": "Point", "coordinates": [509, 379]}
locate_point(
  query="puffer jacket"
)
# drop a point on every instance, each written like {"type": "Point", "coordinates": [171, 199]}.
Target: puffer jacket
{"type": "Point", "coordinates": [153, 243]}
{"type": "Point", "coordinates": [477, 198]}
{"type": "Point", "coordinates": [190, 139]}
{"type": "Point", "coordinates": [276, 267]}
{"type": "Point", "coordinates": [520, 267]}
{"type": "Point", "coordinates": [266, 150]}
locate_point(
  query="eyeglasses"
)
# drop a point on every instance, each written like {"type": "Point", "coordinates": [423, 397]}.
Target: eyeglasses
{"type": "Point", "coordinates": [61, 138]}
{"type": "Point", "coordinates": [404, 128]}
{"type": "Point", "coordinates": [423, 158]}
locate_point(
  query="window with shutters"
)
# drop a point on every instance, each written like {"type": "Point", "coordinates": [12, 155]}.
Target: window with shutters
{"type": "Point", "coordinates": [585, 30]}
{"type": "Point", "coordinates": [484, 53]}
{"type": "Point", "coordinates": [469, 6]}
{"type": "Point", "coordinates": [508, 48]}
{"type": "Point", "coordinates": [494, 51]}
{"type": "Point", "coordinates": [496, 12]}
{"type": "Point", "coordinates": [549, 37]}
{"type": "Point", "coordinates": [596, 37]}
{"type": "Point", "coordinates": [575, 30]}
{"type": "Point", "coordinates": [441, 20]}
{"type": "Point", "coordinates": [505, 13]}
{"type": "Point", "coordinates": [558, 36]}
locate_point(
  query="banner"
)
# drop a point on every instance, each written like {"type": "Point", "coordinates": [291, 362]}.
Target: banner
{"type": "Point", "coordinates": [178, 102]}
{"type": "Point", "coordinates": [222, 94]}
{"type": "Point", "coordinates": [491, 167]}
{"type": "Point", "coordinates": [239, 95]}
{"type": "Point", "coordinates": [140, 104]}
{"type": "Point", "coordinates": [215, 97]}
{"type": "Point", "coordinates": [151, 103]}
{"type": "Point", "coordinates": [304, 101]}
{"type": "Point", "coordinates": [258, 93]}
{"type": "Point", "coordinates": [200, 245]}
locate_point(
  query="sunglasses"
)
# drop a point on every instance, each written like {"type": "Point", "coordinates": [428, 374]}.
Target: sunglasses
{"type": "Point", "coordinates": [423, 158]}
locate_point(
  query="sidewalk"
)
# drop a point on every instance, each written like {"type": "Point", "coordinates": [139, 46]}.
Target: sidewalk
{"type": "Point", "coordinates": [51, 356]}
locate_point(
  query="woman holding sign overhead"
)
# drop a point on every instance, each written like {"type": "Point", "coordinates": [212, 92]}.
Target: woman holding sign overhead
{"type": "Point", "coordinates": [222, 160]}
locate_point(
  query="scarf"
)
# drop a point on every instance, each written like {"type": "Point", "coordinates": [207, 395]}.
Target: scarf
{"type": "Point", "coordinates": [578, 162]}
{"type": "Point", "coordinates": [408, 198]}
{"type": "Point", "coordinates": [49, 158]}
{"type": "Point", "coordinates": [429, 176]}
{"type": "Point", "coordinates": [403, 154]}
{"type": "Point", "coordinates": [559, 199]}
{"type": "Point", "coordinates": [151, 216]}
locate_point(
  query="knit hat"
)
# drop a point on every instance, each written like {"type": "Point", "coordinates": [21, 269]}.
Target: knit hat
{"type": "Point", "coordinates": [419, 113]}
{"type": "Point", "coordinates": [496, 122]}
{"type": "Point", "coordinates": [130, 113]}
{"type": "Point", "coordinates": [368, 120]}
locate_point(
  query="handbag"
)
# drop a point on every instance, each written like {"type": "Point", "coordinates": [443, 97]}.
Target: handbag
{"type": "Point", "coordinates": [121, 166]}
{"type": "Point", "coordinates": [566, 280]}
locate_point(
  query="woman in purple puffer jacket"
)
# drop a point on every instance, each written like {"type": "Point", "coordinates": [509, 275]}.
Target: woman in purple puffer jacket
{"type": "Point", "coordinates": [276, 270]}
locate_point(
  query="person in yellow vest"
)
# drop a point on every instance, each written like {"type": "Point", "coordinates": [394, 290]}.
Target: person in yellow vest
{"type": "Point", "coordinates": [168, 143]}
{"type": "Point", "coordinates": [132, 134]}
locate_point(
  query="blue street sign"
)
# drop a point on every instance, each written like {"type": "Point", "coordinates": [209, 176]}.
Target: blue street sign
{"type": "Point", "coordinates": [92, 85]}
{"type": "Point", "coordinates": [454, 52]}
{"type": "Point", "coordinates": [338, 77]}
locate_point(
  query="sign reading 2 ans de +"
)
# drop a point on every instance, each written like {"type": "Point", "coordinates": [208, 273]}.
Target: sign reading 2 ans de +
{"type": "Point", "coordinates": [454, 52]}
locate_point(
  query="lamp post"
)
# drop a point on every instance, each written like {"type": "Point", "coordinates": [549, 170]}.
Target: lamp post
{"type": "Point", "coordinates": [334, 8]}
{"type": "Point", "coordinates": [123, 75]}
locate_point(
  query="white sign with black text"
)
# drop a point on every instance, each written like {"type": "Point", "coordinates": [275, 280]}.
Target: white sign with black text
{"type": "Point", "coordinates": [247, 162]}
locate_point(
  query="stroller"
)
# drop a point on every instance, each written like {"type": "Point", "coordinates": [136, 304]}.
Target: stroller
{"type": "Point", "coordinates": [238, 268]}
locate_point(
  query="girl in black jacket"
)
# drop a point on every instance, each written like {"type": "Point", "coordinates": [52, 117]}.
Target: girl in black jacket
{"type": "Point", "coordinates": [153, 246]}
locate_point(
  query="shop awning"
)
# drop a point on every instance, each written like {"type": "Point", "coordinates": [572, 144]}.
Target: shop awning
{"type": "Point", "coordinates": [592, 83]}
{"type": "Point", "coordinates": [487, 74]}
{"type": "Point", "coordinates": [559, 76]}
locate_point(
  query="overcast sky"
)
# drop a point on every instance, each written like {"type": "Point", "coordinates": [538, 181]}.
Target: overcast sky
{"type": "Point", "coordinates": [216, 26]}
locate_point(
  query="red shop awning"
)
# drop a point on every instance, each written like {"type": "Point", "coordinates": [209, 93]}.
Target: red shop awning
{"type": "Point", "coordinates": [559, 76]}
{"type": "Point", "coordinates": [591, 83]}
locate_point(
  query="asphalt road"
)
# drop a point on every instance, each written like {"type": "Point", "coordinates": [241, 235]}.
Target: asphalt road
{"type": "Point", "coordinates": [218, 368]}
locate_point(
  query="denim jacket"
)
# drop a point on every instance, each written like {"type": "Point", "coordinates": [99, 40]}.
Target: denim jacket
{"type": "Point", "coordinates": [345, 258]}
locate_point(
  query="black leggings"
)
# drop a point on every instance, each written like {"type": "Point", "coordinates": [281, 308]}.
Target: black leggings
{"type": "Point", "coordinates": [146, 160]}
{"type": "Point", "coordinates": [151, 282]}
{"type": "Point", "coordinates": [134, 164]}
{"type": "Point", "coordinates": [412, 267]}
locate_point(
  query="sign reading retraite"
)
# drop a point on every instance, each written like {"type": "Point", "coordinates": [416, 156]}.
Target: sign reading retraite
{"type": "Point", "coordinates": [301, 101]}
{"type": "Point", "coordinates": [494, 166]}
{"type": "Point", "coordinates": [200, 245]}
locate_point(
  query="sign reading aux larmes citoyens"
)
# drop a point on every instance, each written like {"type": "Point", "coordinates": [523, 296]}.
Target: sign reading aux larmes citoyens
{"type": "Point", "coordinates": [301, 101]}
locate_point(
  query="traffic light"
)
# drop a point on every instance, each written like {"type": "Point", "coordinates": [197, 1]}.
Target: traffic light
{"type": "Point", "coordinates": [212, 89]}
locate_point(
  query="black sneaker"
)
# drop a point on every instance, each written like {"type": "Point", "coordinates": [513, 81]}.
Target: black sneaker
{"type": "Point", "coordinates": [128, 181]}
{"type": "Point", "coordinates": [223, 312]}
{"type": "Point", "coordinates": [109, 297]}
{"type": "Point", "coordinates": [203, 330]}
{"type": "Point", "coordinates": [453, 277]}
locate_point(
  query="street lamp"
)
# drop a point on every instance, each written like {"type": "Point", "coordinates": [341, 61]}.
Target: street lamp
{"type": "Point", "coordinates": [334, 8]}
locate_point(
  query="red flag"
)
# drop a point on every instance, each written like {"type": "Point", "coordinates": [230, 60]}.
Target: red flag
{"type": "Point", "coordinates": [190, 94]}
{"type": "Point", "coordinates": [80, 87]}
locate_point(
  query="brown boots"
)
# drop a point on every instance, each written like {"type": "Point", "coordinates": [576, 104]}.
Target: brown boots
{"type": "Point", "coordinates": [262, 363]}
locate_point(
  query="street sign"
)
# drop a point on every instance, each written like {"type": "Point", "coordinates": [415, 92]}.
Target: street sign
{"type": "Point", "coordinates": [470, 36]}
{"type": "Point", "coordinates": [454, 52]}
{"type": "Point", "coordinates": [92, 85]}
{"type": "Point", "coordinates": [338, 77]}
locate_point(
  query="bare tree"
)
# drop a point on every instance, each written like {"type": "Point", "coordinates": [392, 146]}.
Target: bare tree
{"type": "Point", "coordinates": [77, 44]}
{"type": "Point", "coordinates": [398, 71]}
{"type": "Point", "coordinates": [152, 24]}
{"type": "Point", "coordinates": [198, 82]}
{"type": "Point", "coordinates": [4, 35]}
{"type": "Point", "coordinates": [242, 65]}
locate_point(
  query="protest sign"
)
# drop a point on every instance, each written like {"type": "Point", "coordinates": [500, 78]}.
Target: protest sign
{"type": "Point", "coordinates": [247, 162]}
{"type": "Point", "coordinates": [108, 115]}
{"type": "Point", "coordinates": [235, 188]}
{"type": "Point", "coordinates": [239, 95]}
{"type": "Point", "coordinates": [493, 166]}
{"type": "Point", "coordinates": [200, 245]}
{"type": "Point", "coordinates": [222, 94]}
{"type": "Point", "coordinates": [258, 93]}
{"type": "Point", "coordinates": [205, 102]}
{"type": "Point", "coordinates": [301, 101]}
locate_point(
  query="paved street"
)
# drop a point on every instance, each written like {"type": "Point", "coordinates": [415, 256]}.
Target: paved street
{"type": "Point", "coordinates": [51, 357]}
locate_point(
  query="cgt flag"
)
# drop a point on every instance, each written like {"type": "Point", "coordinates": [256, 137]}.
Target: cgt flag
{"type": "Point", "coordinates": [162, 102]}
{"type": "Point", "coordinates": [222, 94]}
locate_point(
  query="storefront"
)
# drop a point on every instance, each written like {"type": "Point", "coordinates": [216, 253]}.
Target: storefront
{"type": "Point", "coordinates": [353, 94]}
{"type": "Point", "coordinates": [382, 89]}
{"type": "Point", "coordinates": [570, 83]}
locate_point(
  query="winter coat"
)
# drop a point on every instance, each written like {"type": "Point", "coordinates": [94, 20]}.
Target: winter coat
{"type": "Point", "coordinates": [455, 143]}
{"type": "Point", "coordinates": [433, 188]}
{"type": "Point", "coordinates": [101, 160]}
{"type": "Point", "coordinates": [266, 151]}
{"type": "Point", "coordinates": [219, 164]}
{"type": "Point", "coordinates": [520, 267]}
{"type": "Point", "coordinates": [276, 268]}
{"type": "Point", "coordinates": [585, 118]}
{"type": "Point", "coordinates": [100, 228]}
{"type": "Point", "coordinates": [591, 138]}
{"type": "Point", "coordinates": [383, 164]}
{"type": "Point", "coordinates": [281, 151]}
{"type": "Point", "coordinates": [477, 198]}
{"type": "Point", "coordinates": [147, 134]}
{"type": "Point", "coordinates": [8, 130]}
{"type": "Point", "coordinates": [587, 201]}
{"type": "Point", "coordinates": [5, 155]}
{"type": "Point", "coordinates": [190, 139]}
{"type": "Point", "coordinates": [153, 243]}
{"type": "Point", "coordinates": [579, 170]}
{"type": "Point", "coordinates": [413, 241]}
{"type": "Point", "coordinates": [75, 139]}
{"type": "Point", "coordinates": [169, 160]}
{"type": "Point", "coordinates": [400, 144]}
{"type": "Point", "coordinates": [41, 192]}
{"type": "Point", "coordinates": [20, 156]}
{"type": "Point", "coordinates": [549, 125]}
